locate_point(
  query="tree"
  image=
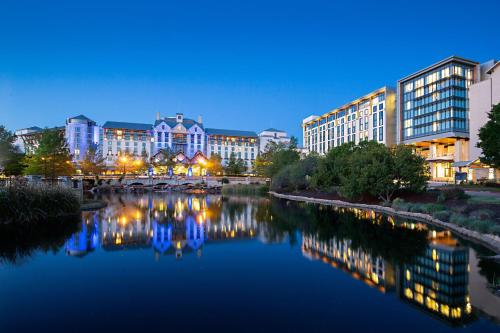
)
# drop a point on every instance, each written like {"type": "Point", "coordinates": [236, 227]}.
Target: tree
{"type": "Point", "coordinates": [10, 157]}
{"type": "Point", "coordinates": [164, 161]}
{"type": "Point", "coordinates": [374, 169]}
{"type": "Point", "coordinates": [93, 163]}
{"type": "Point", "coordinates": [51, 158]}
{"type": "Point", "coordinates": [490, 139]}
{"type": "Point", "coordinates": [214, 165]}
{"type": "Point", "coordinates": [332, 166]}
{"type": "Point", "coordinates": [235, 166]}
{"type": "Point", "coordinates": [296, 176]}
{"type": "Point", "coordinates": [127, 163]}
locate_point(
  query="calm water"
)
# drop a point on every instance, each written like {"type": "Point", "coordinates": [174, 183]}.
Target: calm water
{"type": "Point", "coordinates": [169, 262]}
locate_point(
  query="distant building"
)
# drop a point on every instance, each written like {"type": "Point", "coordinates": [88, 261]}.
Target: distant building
{"type": "Point", "coordinates": [272, 135]}
{"type": "Point", "coordinates": [370, 117]}
{"type": "Point", "coordinates": [179, 135]}
{"type": "Point", "coordinates": [242, 144]}
{"type": "Point", "coordinates": [120, 138]}
{"type": "Point", "coordinates": [81, 133]}
{"type": "Point", "coordinates": [28, 139]}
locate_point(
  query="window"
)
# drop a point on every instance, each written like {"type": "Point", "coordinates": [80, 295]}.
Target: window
{"type": "Point", "coordinates": [381, 118]}
{"type": "Point", "coordinates": [374, 134]}
{"type": "Point", "coordinates": [381, 135]}
{"type": "Point", "coordinates": [380, 106]}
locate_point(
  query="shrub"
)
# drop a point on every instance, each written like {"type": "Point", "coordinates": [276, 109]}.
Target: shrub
{"type": "Point", "coordinates": [224, 180]}
{"type": "Point", "coordinates": [241, 189]}
{"type": "Point", "coordinates": [482, 226]}
{"type": "Point", "coordinates": [460, 220]}
{"type": "Point", "coordinates": [453, 193]}
{"type": "Point", "coordinates": [442, 215]}
{"type": "Point", "coordinates": [33, 204]}
{"type": "Point", "coordinates": [431, 208]}
{"type": "Point", "coordinates": [482, 214]}
{"type": "Point", "coordinates": [495, 229]}
{"type": "Point", "coordinates": [399, 204]}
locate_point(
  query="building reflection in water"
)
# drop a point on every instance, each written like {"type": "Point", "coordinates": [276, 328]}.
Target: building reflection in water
{"type": "Point", "coordinates": [435, 281]}
{"type": "Point", "coordinates": [169, 225]}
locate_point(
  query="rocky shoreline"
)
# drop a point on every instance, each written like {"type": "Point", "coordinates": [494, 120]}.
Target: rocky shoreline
{"type": "Point", "coordinates": [492, 242]}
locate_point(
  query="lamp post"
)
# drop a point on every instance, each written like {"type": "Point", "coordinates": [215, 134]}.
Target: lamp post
{"type": "Point", "coordinates": [124, 160]}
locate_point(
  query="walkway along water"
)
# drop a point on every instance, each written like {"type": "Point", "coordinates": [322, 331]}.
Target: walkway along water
{"type": "Point", "coordinates": [490, 241]}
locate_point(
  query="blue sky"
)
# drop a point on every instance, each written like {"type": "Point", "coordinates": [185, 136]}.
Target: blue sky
{"type": "Point", "coordinates": [241, 65]}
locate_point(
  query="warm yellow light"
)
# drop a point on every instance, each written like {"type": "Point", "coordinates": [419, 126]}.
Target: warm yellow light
{"type": "Point", "coordinates": [123, 159]}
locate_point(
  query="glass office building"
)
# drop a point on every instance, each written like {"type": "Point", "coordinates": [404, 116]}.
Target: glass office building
{"type": "Point", "coordinates": [433, 111]}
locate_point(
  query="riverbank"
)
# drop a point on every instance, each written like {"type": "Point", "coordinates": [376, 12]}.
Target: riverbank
{"type": "Point", "coordinates": [490, 241]}
{"type": "Point", "coordinates": [92, 205]}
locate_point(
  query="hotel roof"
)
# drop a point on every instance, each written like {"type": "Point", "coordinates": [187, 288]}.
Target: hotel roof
{"type": "Point", "coordinates": [438, 64]}
{"type": "Point", "coordinates": [226, 132]}
{"type": "Point", "coordinates": [81, 117]}
{"type": "Point", "coordinates": [172, 122]}
{"type": "Point", "coordinates": [273, 130]}
{"type": "Point", "coordinates": [131, 126]}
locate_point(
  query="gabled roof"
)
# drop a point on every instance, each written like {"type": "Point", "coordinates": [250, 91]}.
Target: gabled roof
{"type": "Point", "coordinates": [131, 126]}
{"type": "Point", "coordinates": [172, 122]}
{"type": "Point", "coordinates": [492, 69]}
{"type": "Point", "coordinates": [273, 130]}
{"type": "Point", "coordinates": [81, 117]}
{"type": "Point", "coordinates": [226, 132]}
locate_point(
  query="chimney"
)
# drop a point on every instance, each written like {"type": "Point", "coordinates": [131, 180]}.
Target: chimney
{"type": "Point", "coordinates": [157, 115]}
{"type": "Point", "coordinates": [199, 120]}
{"type": "Point", "coordinates": [179, 117]}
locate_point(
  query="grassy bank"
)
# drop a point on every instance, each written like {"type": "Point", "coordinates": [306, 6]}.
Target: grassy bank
{"type": "Point", "coordinates": [478, 213]}
{"type": "Point", "coordinates": [243, 189]}
{"type": "Point", "coordinates": [27, 205]}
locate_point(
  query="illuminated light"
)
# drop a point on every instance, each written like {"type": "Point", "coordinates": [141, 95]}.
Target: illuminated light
{"type": "Point", "coordinates": [419, 298]}
{"type": "Point", "coordinates": [178, 245]}
{"type": "Point", "coordinates": [433, 236]}
{"type": "Point", "coordinates": [445, 309]}
{"type": "Point", "coordinates": [375, 278]}
{"type": "Point", "coordinates": [434, 253]}
{"type": "Point", "coordinates": [456, 313]}
{"type": "Point", "coordinates": [468, 308]}
{"type": "Point", "coordinates": [437, 267]}
{"type": "Point", "coordinates": [408, 275]}
{"type": "Point", "coordinates": [419, 288]}
{"type": "Point", "coordinates": [408, 293]}
{"type": "Point", "coordinates": [232, 234]}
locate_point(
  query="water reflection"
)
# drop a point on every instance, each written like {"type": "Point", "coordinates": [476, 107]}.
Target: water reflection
{"type": "Point", "coordinates": [424, 268]}
{"type": "Point", "coordinates": [169, 225]}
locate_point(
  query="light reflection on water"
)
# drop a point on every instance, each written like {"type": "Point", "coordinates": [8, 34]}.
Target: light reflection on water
{"type": "Point", "coordinates": [425, 269]}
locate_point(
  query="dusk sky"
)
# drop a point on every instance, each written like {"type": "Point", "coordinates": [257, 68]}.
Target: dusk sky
{"type": "Point", "coordinates": [243, 65]}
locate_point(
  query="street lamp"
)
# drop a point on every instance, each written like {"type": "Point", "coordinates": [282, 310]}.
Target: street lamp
{"type": "Point", "coordinates": [124, 160]}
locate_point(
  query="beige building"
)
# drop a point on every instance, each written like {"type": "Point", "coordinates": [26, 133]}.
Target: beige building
{"type": "Point", "coordinates": [370, 117]}
{"type": "Point", "coordinates": [482, 96]}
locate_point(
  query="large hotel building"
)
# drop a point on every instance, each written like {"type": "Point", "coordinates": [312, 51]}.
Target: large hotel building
{"type": "Point", "coordinates": [437, 110]}
{"type": "Point", "coordinates": [186, 138]}
{"type": "Point", "coordinates": [371, 117]}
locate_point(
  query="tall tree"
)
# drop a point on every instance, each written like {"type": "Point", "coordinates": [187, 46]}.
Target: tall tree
{"type": "Point", "coordinates": [214, 165]}
{"type": "Point", "coordinates": [51, 158]}
{"type": "Point", "coordinates": [235, 166]}
{"type": "Point", "coordinates": [10, 157]}
{"type": "Point", "coordinates": [93, 163]}
{"type": "Point", "coordinates": [490, 139]}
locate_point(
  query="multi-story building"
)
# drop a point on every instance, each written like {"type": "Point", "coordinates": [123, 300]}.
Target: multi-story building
{"type": "Point", "coordinates": [28, 139]}
{"type": "Point", "coordinates": [272, 135]}
{"type": "Point", "coordinates": [81, 133]}
{"type": "Point", "coordinates": [371, 117]}
{"type": "Point", "coordinates": [179, 135]}
{"type": "Point", "coordinates": [119, 138]}
{"type": "Point", "coordinates": [241, 144]}
{"type": "Point", "coordinates": [433, 113]}
{"type": "Point", "coordinates": [437, 281]}
{"type": "Point", "coordinates": [483, 95]}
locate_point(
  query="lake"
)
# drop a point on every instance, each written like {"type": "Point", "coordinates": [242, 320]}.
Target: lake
{"type": "Point", "coordinates": [176, 262]}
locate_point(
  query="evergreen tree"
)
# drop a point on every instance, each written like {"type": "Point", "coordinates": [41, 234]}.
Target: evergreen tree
{"type": "Point", "coordinates": [490, 139]}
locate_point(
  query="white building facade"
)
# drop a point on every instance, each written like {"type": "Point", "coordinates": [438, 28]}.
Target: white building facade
{"type": "Point", "coordinates": [242, 144]}
{"type": "Point", "coordinates": [370, 117]}
{"type": "Point", "coordinates": [272, 135]}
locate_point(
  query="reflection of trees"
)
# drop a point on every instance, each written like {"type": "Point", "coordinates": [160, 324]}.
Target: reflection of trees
{"type": "Point", "coordinates": [376, 236]}
{"type": "Point", "coordinates": [18, 243]}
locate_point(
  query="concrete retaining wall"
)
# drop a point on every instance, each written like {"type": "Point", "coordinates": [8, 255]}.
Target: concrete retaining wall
{"type": "Point", "coordinates": [490, 241]}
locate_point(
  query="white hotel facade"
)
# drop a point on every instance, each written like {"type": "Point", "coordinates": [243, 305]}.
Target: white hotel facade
{"type": "Point", "coordinates": [179, 135]}
{"type": "Point", "coordinates": [370, 117]}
